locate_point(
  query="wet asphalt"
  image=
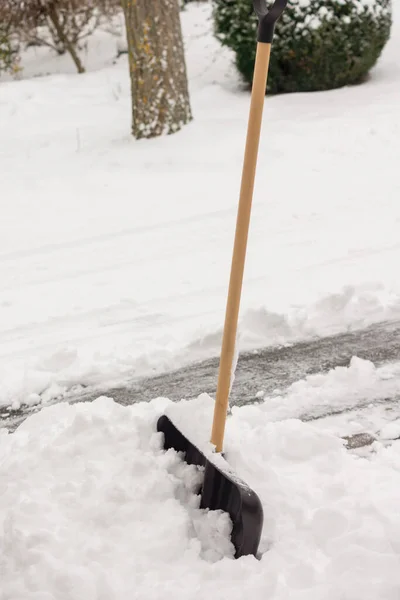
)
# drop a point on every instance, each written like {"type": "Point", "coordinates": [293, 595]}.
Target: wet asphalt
{"type": "Point", "coordinates": [264, 370]}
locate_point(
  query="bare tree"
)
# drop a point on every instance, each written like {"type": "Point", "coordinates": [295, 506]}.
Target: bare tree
{"type": "Point", "coordinates": [160, 96]}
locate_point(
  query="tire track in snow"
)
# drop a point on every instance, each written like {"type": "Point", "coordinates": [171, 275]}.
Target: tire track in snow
{"type": "Point", "coordinates": [84, 242]}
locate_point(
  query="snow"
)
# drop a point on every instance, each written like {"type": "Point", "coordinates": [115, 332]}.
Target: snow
{"type": "Point", "coordinates": [357, 7]}
{"type": "Point", "coordinates": [92, 506]}
{"type": "Point", "coordinates": [340, 389]}
{"type": "Point", "coordinates": [391, 431]}
{"type": "Point", "coordinates": [114, 262]}
{"type": "Point", "coordinates": [115, 254]}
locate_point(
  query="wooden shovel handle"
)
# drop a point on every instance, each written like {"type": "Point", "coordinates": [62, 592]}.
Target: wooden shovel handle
{"type": "Point", "coordinates": [240, 245]}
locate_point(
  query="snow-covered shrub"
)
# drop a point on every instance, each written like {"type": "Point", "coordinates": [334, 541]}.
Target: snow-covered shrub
{"type": "Point", "coordinates": [318, 44]}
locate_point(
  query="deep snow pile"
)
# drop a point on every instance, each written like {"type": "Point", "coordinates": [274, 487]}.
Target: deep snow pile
{"type": "Point", "coordinates": [91, 507]}
{"type": "Point", "coordinates": [115, 255]}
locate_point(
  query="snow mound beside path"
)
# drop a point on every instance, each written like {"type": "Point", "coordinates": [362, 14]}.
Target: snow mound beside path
{"type": "Point", "coordinates": [92, 507]}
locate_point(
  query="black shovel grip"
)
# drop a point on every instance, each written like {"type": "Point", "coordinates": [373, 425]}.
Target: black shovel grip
{"type": "Point", "coordinates": [267, 17]}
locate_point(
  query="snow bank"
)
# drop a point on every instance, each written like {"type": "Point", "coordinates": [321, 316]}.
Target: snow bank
{"type": "Point", "coordinates": [90, 506]}
{"type": "Point", "coordinates": [349, 309]}
{"type": "Point", "coordinates": [341, 388]}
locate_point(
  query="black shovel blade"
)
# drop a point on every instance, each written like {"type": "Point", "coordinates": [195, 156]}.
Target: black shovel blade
{"type": "Point", "coordinates": [221, 491]}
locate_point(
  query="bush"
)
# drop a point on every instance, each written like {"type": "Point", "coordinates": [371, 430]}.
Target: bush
{"type": "Point", "coordinates": [8, 53]}
{"type": "Point", "coordinates": [318, 45]}
{"type": "Point", "coordinates": [62, 25]}
{"type": "Point", "coordinates": [9, 47]}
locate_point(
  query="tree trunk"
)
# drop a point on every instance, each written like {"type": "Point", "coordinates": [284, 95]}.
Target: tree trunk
{"type": "Point", "coordinates": [160, 96]}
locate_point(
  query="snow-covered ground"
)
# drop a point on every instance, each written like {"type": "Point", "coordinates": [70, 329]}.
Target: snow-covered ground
{"type": "Point", "coordinates": [91, 506]}
{"type": "Point", "coordinates": [114, 260]}
{"type": "Point", "coordinates": [115, 255]}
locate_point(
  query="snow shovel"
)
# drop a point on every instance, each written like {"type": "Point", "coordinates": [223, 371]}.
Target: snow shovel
{"type": "Point", "coordinates": [222, 489]}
